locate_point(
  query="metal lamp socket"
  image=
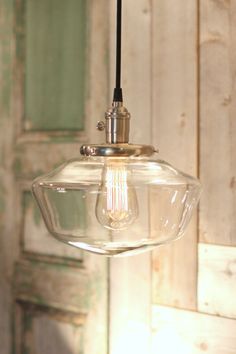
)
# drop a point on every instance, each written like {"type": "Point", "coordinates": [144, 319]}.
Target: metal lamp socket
{"type": "Point", "coordinates": [117, 124]}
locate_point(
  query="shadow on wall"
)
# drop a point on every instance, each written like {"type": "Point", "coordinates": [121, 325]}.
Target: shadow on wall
{"type": "Point", "coordinates": [46, 335]}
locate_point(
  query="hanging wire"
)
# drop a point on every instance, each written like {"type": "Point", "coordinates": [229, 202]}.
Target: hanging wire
{"type": "Point", "coordinates": [118, 97]}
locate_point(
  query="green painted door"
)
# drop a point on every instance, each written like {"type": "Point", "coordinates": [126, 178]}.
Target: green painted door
{"type": "Point", "coordinates": [53, 298]}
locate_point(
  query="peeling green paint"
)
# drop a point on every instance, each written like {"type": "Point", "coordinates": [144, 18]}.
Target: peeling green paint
{"type": "Point", "coordinates": [60, 267]}
{"type": "Point", "coordinates": [30, 204]}
{"type": "Point", "coordinates": [17, 166]}
{"type": "Point", "coordinates": [13, 328]}
{"type": "Point", "coordinates": [64, 139]}
{"type": "Point", "coordinates": [28, 322]}
{"type": "Point", "coordinates": [2, 198]}
{"type": "Point", "coordinates": [58, 29]}
{"type": "Point", "coordinates": [76, 201]}
{"type": "Point", "coordinates": [23, 164]}
{"type": "Point", "coordinates": [26, 200]}
{"type": "Point", "coordinates": [39, 300]}
{"type": "Point", "coordinates": [38, 173]}
{"type": "Point", "coordinates": [37, 215]}
{"type": "Point", "coordinates": [25, 350]}
{"type": "Point", "coordinates": [6, 57]}
{"type": "Point", "coordinates": [20, 30]}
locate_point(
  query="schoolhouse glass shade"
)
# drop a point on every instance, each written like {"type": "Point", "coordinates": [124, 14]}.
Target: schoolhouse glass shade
{"type": "Point", "coordinates": [116, 205]}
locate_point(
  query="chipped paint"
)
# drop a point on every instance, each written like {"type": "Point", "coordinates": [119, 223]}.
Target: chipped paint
{"type": "Point", "coordinates": [5, 57]}
{"type": "Point", "coordinates": [2, 198]}
{"type": "Point", "coordinates": [17, 166]}
{"type": "Point", "coordinates": [28, 322]}
{"type": "Point", "coordinates": [59, 291]}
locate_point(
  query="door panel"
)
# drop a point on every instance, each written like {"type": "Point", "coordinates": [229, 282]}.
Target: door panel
{"type": "Point", "coordinates": [55, 295]}
{"type": "Point", "coordinates": [53, 337]}
{"type": "Point", "coordinates": [36, 239]}
{"type": "Point", "coordinates": [43, 331]}
{"type": "Point", "coordinates": [51, 38]}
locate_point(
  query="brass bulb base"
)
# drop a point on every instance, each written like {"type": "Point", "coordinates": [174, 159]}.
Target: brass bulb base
{"type": "Point", "coordinates": [117, 150]}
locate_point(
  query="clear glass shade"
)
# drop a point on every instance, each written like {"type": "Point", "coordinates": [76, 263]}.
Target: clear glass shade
{"type": "Point", "coordinates": [115, 206]}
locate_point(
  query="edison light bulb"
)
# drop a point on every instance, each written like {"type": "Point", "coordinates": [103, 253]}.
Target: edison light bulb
{"type": "Point", "coordinates": [117, 205]}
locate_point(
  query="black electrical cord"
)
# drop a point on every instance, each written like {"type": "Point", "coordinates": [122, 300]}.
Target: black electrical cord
{"type": "Point", "coordinates": [118, 96]}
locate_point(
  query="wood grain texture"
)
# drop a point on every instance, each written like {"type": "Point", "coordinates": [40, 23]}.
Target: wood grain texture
{"type": "Point", "coordinates": [218, 125]}
{"type": "Point", "coordinates": [96, 325]}
{"type": "Point", "coordinates": [178, 331]}
{"type": "Point", "coordinates": [217, 280]}
{"type": "Point", "coordinates": [136, 66]}
{"type": "Point", "coordinates": [43, 334]}
{"type": "Point", "coordinates": [8, 242]}
{"type": "Point", "coordinates": [40, 284]}
{"type": "Point", "coordinates": [40, 280]}
{"type": "Point", "coordinates": [35, 236]}
{"type": "Point", "coordinates": [52, 337]}
{"type": "Point", "coordinates": [130, 278]}
{"type": "Point", "coordinates": [174, 129]}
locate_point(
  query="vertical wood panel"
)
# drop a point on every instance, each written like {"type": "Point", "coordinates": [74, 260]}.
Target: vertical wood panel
{"type": "Point", "coordinates": [8, 224]}
{"type": "Point", "coordinates": [96, 326]}
{"type": "Point", "coordinates": [175, 134]}
{"type": "Point", "coordinates": [185, 332]}
{"type": "Point", "coordinates": [53, 337]}
{"type": "Point", "coordinates": [217, 280]}
{"type": "Point", "coordinates": [130, 278]}
{"type": "Point", "coordinates": [32, 158]}
{"type": "Point", "coordinates": [218, 127]}
{"type": "Point", "coordinates": [46, 330]}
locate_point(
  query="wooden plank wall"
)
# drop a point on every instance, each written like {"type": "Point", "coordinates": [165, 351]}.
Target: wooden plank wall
{"type": "Point", "coordinates": [188, 59]}
{"type": "Point", "coordinates": [194, 126]}
{"type": "Point", "coordinates": [130, 292]}
{"type": "Point", "coordinates": [179, 78]}
{"type": "Point", "coordinates": [175, 133]}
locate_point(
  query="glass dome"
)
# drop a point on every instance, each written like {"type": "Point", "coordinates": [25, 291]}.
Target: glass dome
{"type": "Point", "coordinates": [115, 206]}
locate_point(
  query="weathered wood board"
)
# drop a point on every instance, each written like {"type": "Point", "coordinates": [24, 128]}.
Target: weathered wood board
{"type": "Point", "coordinates": [182, 101]}
{"type": "Point", "coordinates": [130, 278]}
{"type": "Point", "coordinates": [185, 332]}
{"type": "Point", "coordinates": [217, 280]}
{"type": "Point", "coordinates": [56, 299]}
{"type": "Point", "coordinates": [218, 125]}
{"type": "Point", "coordinates": [55, 64]}
{"type": "Point", "coordinates": [174, 131]}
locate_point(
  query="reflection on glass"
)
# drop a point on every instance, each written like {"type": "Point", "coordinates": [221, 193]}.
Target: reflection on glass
{"type": "Point", "coordinates": [115, 206]}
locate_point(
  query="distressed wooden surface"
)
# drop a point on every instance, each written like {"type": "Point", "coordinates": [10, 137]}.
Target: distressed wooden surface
{"type": "Point", "coordinates": [185, 332]}
{"type": "Point", "coordinates": [136, 66]}
{"type": "Point", "coordinates": [55, 37]}
{"type": "Point", "coordinates": [38, 283]}
{"type": "Point", "coordinates": [8, 225]}
{"type": "Point", "coordinates": [46, 332]}
{"type": "Point", "coordinates": [160, 81]}
{"type": "Point", "coordinates": [218, 125]}
{"type": "Point", "coordinates": [130, 278]}
{"type": "Point", "coordinates": [174, 129]}
{"type": "Point", "coordinates": [51, 337]}
{"type": "Point", "coordinates": [35, 234]}
{"type": "Point", "coordinates": [96, 325]}
{"type": "Point", "coordinates": [217, 280]}
{"type": "Point", "coordinates": [65, 288]}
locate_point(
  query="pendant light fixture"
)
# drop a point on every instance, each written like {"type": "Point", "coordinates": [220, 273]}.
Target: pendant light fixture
{"type": "Point", "coordinates": [116, 198]}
